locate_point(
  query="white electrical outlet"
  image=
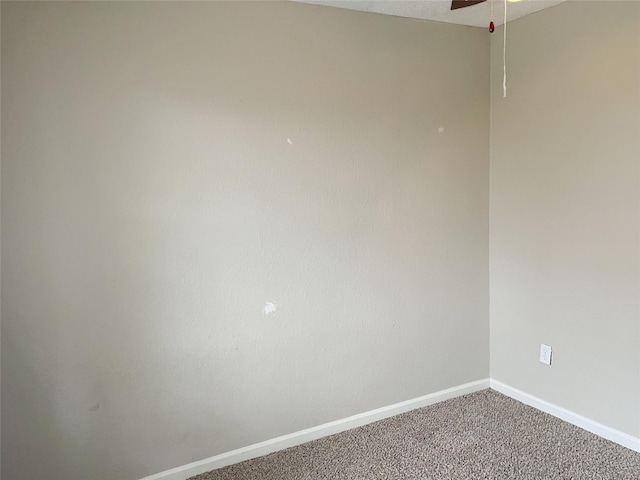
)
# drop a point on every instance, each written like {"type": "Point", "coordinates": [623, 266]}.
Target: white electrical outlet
{"type": "Point", "coordinates": [545, 354]}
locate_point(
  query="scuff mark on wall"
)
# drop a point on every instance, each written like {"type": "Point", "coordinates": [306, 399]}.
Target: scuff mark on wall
{"type": "Point", "coordinates": [270, 308]}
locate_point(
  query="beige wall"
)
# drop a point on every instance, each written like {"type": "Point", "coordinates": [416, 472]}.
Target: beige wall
{"type": "Point", "coordinates": [565, 216]}
{"type": "Point", "coordinates": [168, 168]}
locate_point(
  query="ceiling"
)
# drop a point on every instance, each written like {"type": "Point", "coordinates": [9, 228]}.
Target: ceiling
{"type": "Point", "coordinates": [439, 10]}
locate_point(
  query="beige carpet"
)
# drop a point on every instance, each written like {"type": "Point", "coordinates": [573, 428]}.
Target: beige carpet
{"type": "Point", "coordinates": [484, 435]}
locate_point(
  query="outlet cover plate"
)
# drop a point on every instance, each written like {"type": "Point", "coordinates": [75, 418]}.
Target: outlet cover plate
{"type": "Point", "coordinates": [545, 354]}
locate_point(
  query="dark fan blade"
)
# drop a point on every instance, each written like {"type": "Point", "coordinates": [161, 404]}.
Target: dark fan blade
{"type": "Point", "coordinates": [455, 4]}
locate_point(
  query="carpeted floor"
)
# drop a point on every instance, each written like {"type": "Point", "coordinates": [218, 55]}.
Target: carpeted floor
{"type": "Point", "coordinates": [484, 435]}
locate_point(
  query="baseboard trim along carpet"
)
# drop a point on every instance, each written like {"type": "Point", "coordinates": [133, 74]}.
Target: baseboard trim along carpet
{"type": "Point", "coordinates": [599, 429]}
{"type": "Point", "coordinates": [314, 433]}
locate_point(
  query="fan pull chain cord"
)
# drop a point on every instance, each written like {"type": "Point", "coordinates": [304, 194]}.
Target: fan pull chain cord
{"type": "Point", "coordinates": [504, 54]}
{"type": "Point", "coordinates": [492, 26]}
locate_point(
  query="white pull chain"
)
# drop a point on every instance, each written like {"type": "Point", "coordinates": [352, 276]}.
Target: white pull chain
{"type": "Point", "coordinates": [504, 54]}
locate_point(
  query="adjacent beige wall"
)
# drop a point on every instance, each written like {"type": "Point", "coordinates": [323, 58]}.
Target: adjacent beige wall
{"type": "Point", "coordinates": [168, 168]}
{"type": "Point", "coordinates": [565, 209]}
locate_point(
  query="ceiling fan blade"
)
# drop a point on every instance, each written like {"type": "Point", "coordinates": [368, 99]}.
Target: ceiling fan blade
{"type": "Point", "coordinates": [455, 4]}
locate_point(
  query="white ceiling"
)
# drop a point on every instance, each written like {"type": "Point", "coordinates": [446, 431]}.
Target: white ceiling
{"type": "Point", "coordinates": [439, 10]}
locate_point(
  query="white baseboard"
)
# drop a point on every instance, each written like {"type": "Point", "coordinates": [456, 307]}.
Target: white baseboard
{"type": "Point", "coordinates": [599, 429]}
{"type": "Point", "coordinates": [303, 436]}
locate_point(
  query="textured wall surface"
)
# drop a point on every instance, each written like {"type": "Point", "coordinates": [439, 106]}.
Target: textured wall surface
{"type": "Point", "coordinates": [565, 209]}
{"type": "Point", "coordinates": [174, 172]}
